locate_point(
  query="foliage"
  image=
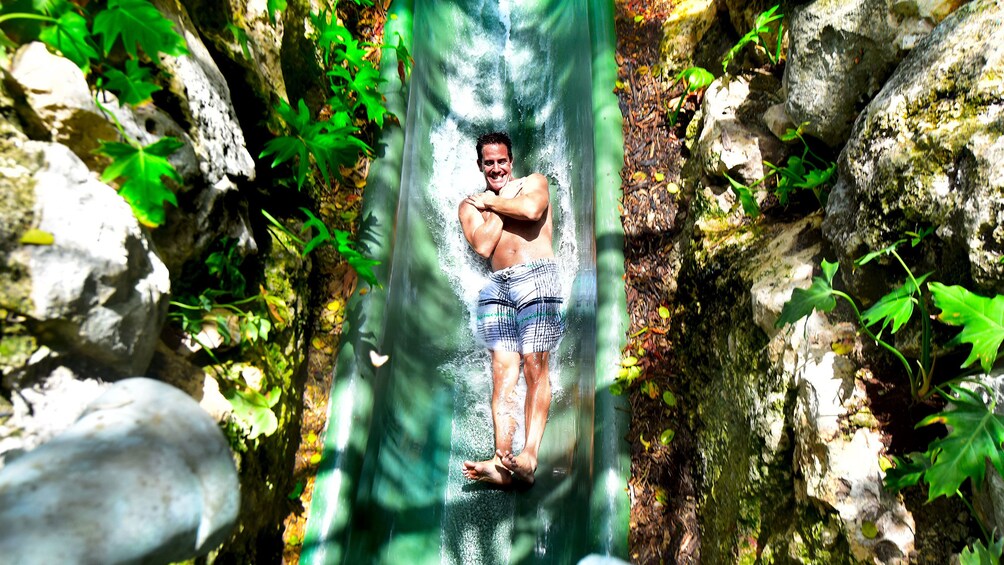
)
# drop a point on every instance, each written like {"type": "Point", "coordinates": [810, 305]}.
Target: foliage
{"type": "Point", "coordinates": [975, 432]}
{"type": "Point", "coordinates": [982, 321]}
{"type": "Point", "coordinates": [352, 77]}
{"type": "Point", "coordinates": [807, 171]}
{"type": "Point", "coordinates": [696, 79]}
{"type": "Point", "coordinates": [253, 411]}
{"type": "Point", "coordinates": [138, 24]}
{"type": "Point", "coordinates": [980, 554]}
{"type": "Point", "coordinates": [755, 35]}
{"type": "Point", "coordinates": [330, 143]}
{"type": "Point", "coordinates": [892, 311]}
{"type": "Point", "coordinates": [340, 240]}
{"type": "Point", "coordinates": [143, 169]}
{"type": "Point", "coordinates": [87, 35]}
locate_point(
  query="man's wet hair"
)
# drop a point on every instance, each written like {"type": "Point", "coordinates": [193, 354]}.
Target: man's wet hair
{"type": "Point", "coordinates": [494, 138]}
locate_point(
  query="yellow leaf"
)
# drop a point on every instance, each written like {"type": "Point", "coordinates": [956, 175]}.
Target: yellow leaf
{"type": "Point", "coordinates": [659, 177]}
{"type": "Point", "coordinates": [663, 312]}
{"type": "Point", "coordinates": [315, 459]}
{"type": "Point", "coordinates": [647, 444]}
{"type": "Point", "coordinates": [37, 237]}
{"type": "Point", "coordinates": [334, 305]}
{"type": "Point", "coordinates": [629, 361]}
{"type": "Point", "coordinates": [639, 176]}
{"type": "Point", "coordinates": [639, 19]}
{"type": "Point", "coordinates": [642, 70]}
{"type": "Point", "coordinates": [672, 188]}
{"type": "Point", "coordinates": [317, 343]}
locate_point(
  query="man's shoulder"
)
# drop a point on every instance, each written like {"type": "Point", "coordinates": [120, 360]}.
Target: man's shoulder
{"type": "Point", "coordinates": [533, 180]}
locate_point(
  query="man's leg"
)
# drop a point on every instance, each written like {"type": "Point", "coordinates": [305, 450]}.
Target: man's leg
{"type": "Point", "coordinates": [538, 404]}
{"type": "Point", "coordinates": [505, 375]}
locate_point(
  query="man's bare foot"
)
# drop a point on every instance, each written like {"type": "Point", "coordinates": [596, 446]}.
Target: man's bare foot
{"type": "Point", "coordinates": [489, 471]}
{"type": "Point", "coordinates": [521, 466]}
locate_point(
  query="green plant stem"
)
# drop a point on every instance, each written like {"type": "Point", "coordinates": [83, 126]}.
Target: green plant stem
{"type": "Point", "coordinates": [27, 16]}
{"type": "Point", "coordinates": [890, 348]}
{"type": "Point", "coordinates": [282, 228]}
{"type": "Point", "coordinates": [925, 322]}
{"type": "Point", "coordinates": [972, 512]}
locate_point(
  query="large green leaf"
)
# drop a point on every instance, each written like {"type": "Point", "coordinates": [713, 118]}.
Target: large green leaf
{"type": "Point", "coordinates": [364, 85]}
{"type": "Point", "coordinates": [975, 436]}
{"type": "Point", "coordinates": [140, 24]}
{"type": "Point", "coordinates": [981, 318]}
{"type": "Point", "coordinates": [331, 143]}
{"type": "Point", "coordinates": [819, 296]}
{"type": "Point", "coordinates": [274, 6]}
{"type": "Point", "coordinates": [132, 87]}
{"type": "Point", "coordinates": [143, 169]}
{"type": "Point", "coordinates": [983, 555]}
{"type": "Point", "coordinates": [69, 36]}
{"type": "Point", "coordinates": [895, 308]}
{"type": "Point", "coordinates": [907, 472]}
{"type": "Point", "coordinates": [746, 197]}
{"type": "Point", "coordinates": [254, 410]}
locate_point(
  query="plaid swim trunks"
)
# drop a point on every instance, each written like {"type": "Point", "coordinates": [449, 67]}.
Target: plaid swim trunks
{"type": "Point", "coordinates": [520, 308]}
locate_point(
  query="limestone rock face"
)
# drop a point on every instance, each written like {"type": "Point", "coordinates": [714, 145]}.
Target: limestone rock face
{"type": "Point", "coordinates": [734, 139]}
{"type": "Point", "coordinates": [686, 26]}
{"type": "Point", "coordinates": [98, 288]}
{"type": "Point", "coordinates": [58, 105]}
{"type": "Point", "coordinates": [64, 502]}
{"type": "Point", "coordinates": [927, 151]}
{"type": "Point", "coordinates": [840, 52]}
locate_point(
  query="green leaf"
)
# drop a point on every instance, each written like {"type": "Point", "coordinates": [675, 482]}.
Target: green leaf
{"type": "Point", "coordinates": [669, 398]}
{"type": "Point", "coordinates": [975, 436]}
{"type": "Point", "coordinates": [37, 237]}
{"type": "Point", "coordinates": [330, 143]}
{"type": "Point", "coordinates": [139, 24]}
{"type": "Point", "coordinates": [663, 312]}
{"type": "Point", "coordinates": [895, 308]}
{"type": "Point", "coordinates": [819, 296]}
{"type": "Point", "coordinates": [816, 177]}
{"type": "Point", "coordinates": [869, 529]}
{"type": "Point", "coordinates": [981, 318]}
{"type": "Point", "coordinates": [132, 87]}
{"type": "Point", "coordinates": [50, 7]}
{"type": "Point", "coordinates": [69, 36]}
{"type": "Point", "coordinates": [906, 472]}
{"type": "Point", "coordinates": [750, 206]}
{"type": "Point", "coordinates": [695, 78]}
{"type": "Point", "coordinates": [874, 254]}
{"type": "Point", "coordinates": [274, 6]}
{"type": "Point", "coordinates": [666, 436]}
{"type": "Point", "coordinates": [981, 554]}
{"type": "Point", "coordinates": [241, 37]}
{"type": "Point", "coordinates": [143, 169]}
{"type": "Point", "coordinates": [323, 234]}
{"type": "Point", "coordinates": [254, 410]}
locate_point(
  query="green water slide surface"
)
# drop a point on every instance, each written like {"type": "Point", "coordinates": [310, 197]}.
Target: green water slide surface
{"type": "Point", "coordinates": [389, 487]}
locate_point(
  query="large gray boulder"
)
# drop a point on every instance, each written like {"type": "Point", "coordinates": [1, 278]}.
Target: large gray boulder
{"type": "Point", "coordinates": [98, 289]}
{"type": "Point", "coordinates": [927, 151]}
{"type": "Point", "coordinates": [144, 476]}
{"type": "Point", "coordinates": [842, 51]}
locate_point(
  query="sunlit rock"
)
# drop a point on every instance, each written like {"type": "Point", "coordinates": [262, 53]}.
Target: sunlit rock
{"type": "Point", "coordinates": [97, 289]}
{"type": "Point", "coordinates": [734, 139]}
{"type": "Point", "coordinates": [840, 53]}
{"type": "Point", "coordinates": [144, 476]}
{"type": "Point", "coordinates": [57, 102]}
{"type": "Point", "coordinates": [683, 31]}
{"type": "Point", "coordinates": [927, 152]}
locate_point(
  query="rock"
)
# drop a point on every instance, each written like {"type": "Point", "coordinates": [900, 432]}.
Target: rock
{"type": "Point", "coordinates": [682, 32]}
{"type": "Point", "coordinates": [841, 52]}
{"type": "Point", "coordinates": [734, 139]}
{"type": "Point", "coordinates": [144, 476]}
{"type": "Point", "coordinates": [927, 152]}
{"type": "Point", "coordinates": [837, 464]}
{"type": "Point", "coordinates": [44, 409]}
{"type": "Point", "coordinates": [99, 289]}
{"type": "Point", "coordinates": [58, 104]}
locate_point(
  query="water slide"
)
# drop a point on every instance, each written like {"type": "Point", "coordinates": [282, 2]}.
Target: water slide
{"type": "Point", "coordinates": [389, 489]}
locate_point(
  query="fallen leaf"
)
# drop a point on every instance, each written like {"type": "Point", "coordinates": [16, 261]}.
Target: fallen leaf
{"type": "Point", "coordinates": [37, 237]}
{"type": "Point", "coordinates": [377, 359]}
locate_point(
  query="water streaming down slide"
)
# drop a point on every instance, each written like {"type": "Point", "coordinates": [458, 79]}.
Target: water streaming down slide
{"type": "Point", "coordinates": [390, 489]}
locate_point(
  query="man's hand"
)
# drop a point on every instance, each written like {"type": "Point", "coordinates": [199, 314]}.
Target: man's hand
{"type": "Point", "coordinates": [479, 201]}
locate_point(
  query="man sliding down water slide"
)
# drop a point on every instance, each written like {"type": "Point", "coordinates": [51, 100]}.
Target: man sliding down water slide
{"type": "Point", "coordinates": [519, 311]}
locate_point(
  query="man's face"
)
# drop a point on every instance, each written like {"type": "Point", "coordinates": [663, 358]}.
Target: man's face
{"type": "Point", "coordinates": [496, 165]}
